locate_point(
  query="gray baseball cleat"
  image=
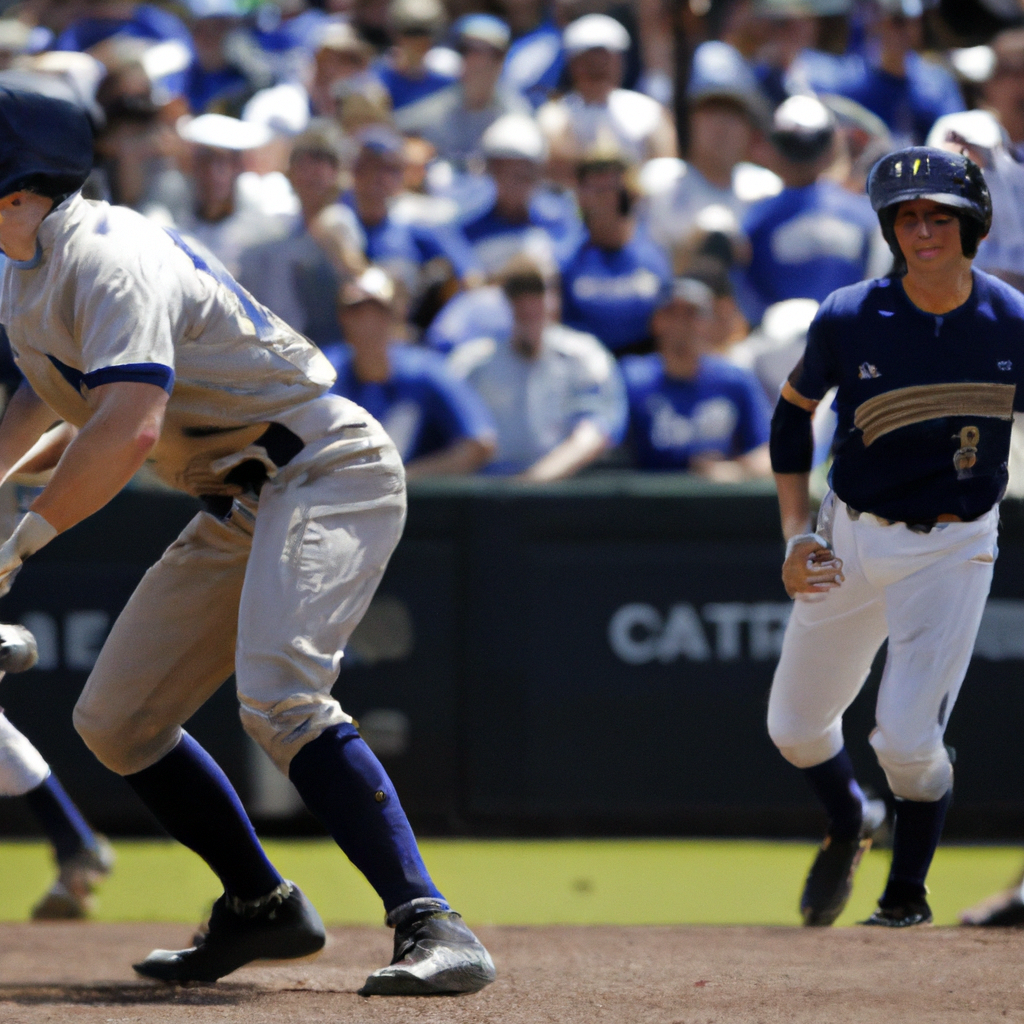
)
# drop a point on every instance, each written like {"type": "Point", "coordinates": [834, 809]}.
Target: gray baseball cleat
{"type": "Point", "coordinates": [910, 911]}
{"type": "Point", "coordinates": [283, 925]}
{"type": "Point", "coordinates": [70, 896]}
{"type": "Point", "coordinates": [435, 954]}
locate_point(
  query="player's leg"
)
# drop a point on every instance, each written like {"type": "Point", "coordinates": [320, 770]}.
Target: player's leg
{"type": "Point", "coordinates": [169, 650]}
{"type": "Point", "coordinates": [319, 551]}
{"type": "Point", "coordinates": [933, 618]}
{"type": "Point", "coordinates": [826, 655]}
{"type": "Point", "coordinates": [82, 857]}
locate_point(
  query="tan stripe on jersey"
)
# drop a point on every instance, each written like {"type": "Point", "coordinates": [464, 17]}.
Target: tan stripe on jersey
{"type": "Point", "coordinates": [900, 408]}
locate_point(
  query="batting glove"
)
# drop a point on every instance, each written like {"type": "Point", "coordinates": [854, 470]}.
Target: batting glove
{"type": "Point", "coordinates": [33, 533]}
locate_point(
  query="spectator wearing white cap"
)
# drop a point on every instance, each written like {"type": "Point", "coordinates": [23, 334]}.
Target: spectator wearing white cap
{"type": "Point", "coordinates": [727, 112]}
{"type": "Point", "coordinates": [556, 394]}
{"type": "Point", "coordinates": [814, 236]}
{"type": "Point", "coordinates": [597, 107]}
{"type": "Point", "coordinates": [690, 410]}
{"type": "Point", "coordinates": [405, 71]}
{"type": "Point", "coordinates": [978, 134]}
{"type": "Point", "coordinates": [220, 217]}
{"type": "Point", "coordinates": [297, 276]}
{"type": "Point", "coordinates": [524, 218]}
{"type": "Point", "coordinates": [454, 119]}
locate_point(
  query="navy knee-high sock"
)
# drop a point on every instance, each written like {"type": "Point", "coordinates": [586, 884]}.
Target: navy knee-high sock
{"type": "Point", "coordinates": [834, 785]}
{"type": "Point", "coordinates": [62, 822]}
{"type": "Point", "coordinates": [347, 788]}
{"type": "Point", "coordinates": [915, 836]}
{"type": "Point", "coordinates": [194, 801]}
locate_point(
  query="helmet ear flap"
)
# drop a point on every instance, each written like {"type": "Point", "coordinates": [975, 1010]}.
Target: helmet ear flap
{"type": "Point", "coordinates": [887, 219]}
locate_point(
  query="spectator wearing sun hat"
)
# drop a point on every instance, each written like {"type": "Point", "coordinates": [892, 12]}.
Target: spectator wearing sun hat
{"type": "Point", "coordinates": [221, 217]}
{"type": "Point", "coordinates": [454, 119]}
{"type": "Point", "coordinates": [597, 107]}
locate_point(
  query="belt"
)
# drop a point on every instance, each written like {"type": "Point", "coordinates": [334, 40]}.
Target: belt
{"type": "Point", "coordinates": [281, 446]}
{"type": "Point", "coordinates": [915, 525]}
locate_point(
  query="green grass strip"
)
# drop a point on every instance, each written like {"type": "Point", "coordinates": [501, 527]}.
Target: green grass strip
{"type": "Point", "coordinates": [525, 883]}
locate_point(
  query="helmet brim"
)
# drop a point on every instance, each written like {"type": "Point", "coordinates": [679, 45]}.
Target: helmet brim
{"type": "Point", "coordinates": [943, 198]}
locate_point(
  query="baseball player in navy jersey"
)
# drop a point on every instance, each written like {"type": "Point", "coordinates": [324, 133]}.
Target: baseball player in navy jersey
{"type": "Point", "coordinates": [156, 355]}
{"type": "Point", "coordinates": [928, 363]}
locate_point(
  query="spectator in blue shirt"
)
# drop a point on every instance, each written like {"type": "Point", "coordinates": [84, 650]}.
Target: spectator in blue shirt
{"type": "Point", "coordinates": [523, 218]}
{"type": "Point", "coordinates": [405, 72]}
{"type": "Point", "coordinates": [689, 410]}
{"type": "Point", "coordinates": [611, 282]}
{"type": "Point", "coordinates": [215, 81]}
{"type": "Point", "coordinates": [814, 236]}
{"type": "Point", "coordinates": [438, 424]}
{"type": "Point", "coordinates": [535, 61]}
{"type": "Point", "coordinates": [890, 78]}
{"type": "Point", "coordinates": [414, 253]}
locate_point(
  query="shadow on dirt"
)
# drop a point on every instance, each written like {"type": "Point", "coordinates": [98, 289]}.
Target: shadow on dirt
{"type": "Point", "coordinates": [127, 994]}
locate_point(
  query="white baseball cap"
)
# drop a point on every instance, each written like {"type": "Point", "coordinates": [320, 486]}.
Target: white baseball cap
{"type": "Point", "coordinates": [974, 127]}
{"type": "Point", "coordinates": [372, 285]}
{"type": "Point", "coordinates": [221, 132]}
{"type": "Point", "coordinates": [514, 136]}
{"type": "Point", "coordinates": [284, 109]}
{"type": "Point", "coordinates": [595, 32]}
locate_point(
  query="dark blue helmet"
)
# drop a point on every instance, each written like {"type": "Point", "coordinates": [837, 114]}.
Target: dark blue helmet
{"type": "Point", "coordinates": [46, 144]}
{"type": "Point", "coordinates": [925, 173]}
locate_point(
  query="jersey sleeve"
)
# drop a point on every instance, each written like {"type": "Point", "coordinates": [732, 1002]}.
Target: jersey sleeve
{"type": "Point", "coordinates": [818, 370]}
{"type": "Point", "coordinates": [123, 319]}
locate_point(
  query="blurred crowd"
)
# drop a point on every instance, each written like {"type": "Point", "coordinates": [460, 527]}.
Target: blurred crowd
{"type": "Point", "coordinates": [537, 236]}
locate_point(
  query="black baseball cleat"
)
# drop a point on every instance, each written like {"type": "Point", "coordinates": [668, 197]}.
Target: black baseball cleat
{"type": "Point", "coordinates": [435, 954]}
{"type": "Point", "coordinates": [283, 925]}
{"type": "Point", "coordinates": [830, 880]}
{"type": "Point", "coordinates": [908, 912]}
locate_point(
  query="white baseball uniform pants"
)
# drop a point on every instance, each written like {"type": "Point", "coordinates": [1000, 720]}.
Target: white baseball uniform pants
{"type": "Point", "coordinates": [22, 767]}
{"type": "Point", "coordinates": [272, 594]}
{"type": "Point", "coordinates": [924, 591]}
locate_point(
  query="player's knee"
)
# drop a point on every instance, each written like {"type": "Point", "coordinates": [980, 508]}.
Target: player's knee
{"type": "Point", "coordinates": [125, 747]}
{"type": "Point", "coordinates": [801, 743]}
{"type": "Point", "coordinates": [924, 774]}
{"type": "Point", "coordinates": [282, 728]}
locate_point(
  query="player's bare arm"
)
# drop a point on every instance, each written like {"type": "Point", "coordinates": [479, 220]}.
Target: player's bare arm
{"type": "Point", "coordinates": [108, 451]}
{"type": "Point", "coordinates": [26, 419]}
{"type": "Point", "coordinates": [810, 567]}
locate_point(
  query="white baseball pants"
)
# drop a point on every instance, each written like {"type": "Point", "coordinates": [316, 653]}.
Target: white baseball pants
{"type": "Point", "coordinates": [273, 594]}
{"type": "Point", "coordinates": [22, 767]}
{"type": "Point", "coordinates": [924, 591]}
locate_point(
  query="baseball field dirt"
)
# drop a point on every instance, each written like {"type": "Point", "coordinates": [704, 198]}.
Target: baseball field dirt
{"type": "Point", "coordinates": [649, 975]}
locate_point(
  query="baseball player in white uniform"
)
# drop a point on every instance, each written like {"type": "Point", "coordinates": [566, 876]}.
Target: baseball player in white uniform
{"type": "Point", "coordinates": [928, 362]}
{"type": "Point", "coordinates": [156, 355]}
{"type": "Point", "coordinates": [83, 857]}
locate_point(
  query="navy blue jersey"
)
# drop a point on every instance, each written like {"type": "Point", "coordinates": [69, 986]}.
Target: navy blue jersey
{"type": "Point", "coordinates": [721, 413]}
{"type": "Point", "coordinates": [612, 293]}
{"type": "Point", "coordinates": [925, 402]}
{"type": "Point", "coordinates": [422, 406]}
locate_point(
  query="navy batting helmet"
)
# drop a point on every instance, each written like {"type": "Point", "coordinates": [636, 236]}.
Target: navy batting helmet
{"type": "Point", "coordinates": [45, 144]}
{"type": "Point", "coordinates": [925, 173]}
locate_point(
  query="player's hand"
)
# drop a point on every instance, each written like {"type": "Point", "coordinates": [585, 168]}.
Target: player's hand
{"type": "Point", "coordinates": [811, 568]}
{"type": "Point", "coordinates": [33, 532]}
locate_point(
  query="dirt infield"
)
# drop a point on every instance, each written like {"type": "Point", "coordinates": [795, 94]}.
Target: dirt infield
{"type": "Point", "coordinates": [80, 972]}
